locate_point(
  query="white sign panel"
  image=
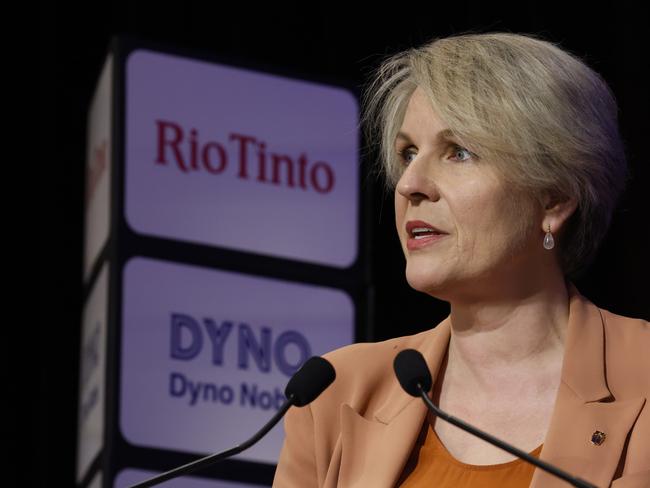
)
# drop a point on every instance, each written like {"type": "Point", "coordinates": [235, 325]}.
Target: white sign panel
{"type": "Point", "coordinates": [96, 481]}
{"type": "Point", "coordinates": [91, 379]}
{"type": "Point", "coordinates": [98, 167]}
{"type": "Point", "coordinates": [129, 477]}
{"type": "Point", "coordinates": [240, 159]}
{"type": "Point", "coordinates": [206, 354]}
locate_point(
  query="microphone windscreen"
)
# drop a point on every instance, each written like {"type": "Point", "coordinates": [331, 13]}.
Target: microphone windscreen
{"type": "Point", "coordinates": [411, 369]}
{"type": "Point", "coordinates": [310, 381]}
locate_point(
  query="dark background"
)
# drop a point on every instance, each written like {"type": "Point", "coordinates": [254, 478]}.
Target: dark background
{"type": "Point", "coordinates": [319, 40]}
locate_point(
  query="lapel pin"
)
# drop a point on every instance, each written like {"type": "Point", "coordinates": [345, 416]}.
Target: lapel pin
{"type": "Point", "coordinates": [598, 437]}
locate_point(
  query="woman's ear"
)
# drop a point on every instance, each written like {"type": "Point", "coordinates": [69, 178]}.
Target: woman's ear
{"type": "Point", "coordinates": [557, 210]}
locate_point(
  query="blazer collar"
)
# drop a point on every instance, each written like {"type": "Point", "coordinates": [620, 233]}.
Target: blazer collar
{"type": "Point", "coordinates": [585, 405]}
{"type": "Point", "coordinates": [583, 366]}
{"type": "Point", "coordinates": [433, 348]}
{"type": "Point", "coordinates": [375, 451]}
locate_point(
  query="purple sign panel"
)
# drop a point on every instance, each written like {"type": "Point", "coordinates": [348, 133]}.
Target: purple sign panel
{"type": "Point", "coordinates": [206, 354]}
{"type": "Point", "coordinates": [240, 159]}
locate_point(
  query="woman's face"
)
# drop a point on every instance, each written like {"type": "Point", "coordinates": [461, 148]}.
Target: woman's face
{"type": "Point", "coordinates": [461, 229]}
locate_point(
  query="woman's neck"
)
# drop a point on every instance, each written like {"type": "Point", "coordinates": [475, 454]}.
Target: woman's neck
{"type": "Point", "coordinates": [499, 339]}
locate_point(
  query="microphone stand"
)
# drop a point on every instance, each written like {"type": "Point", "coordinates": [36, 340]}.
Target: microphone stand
{"type": "Point", "coordinates": [502, 445]}
{"type": "Point", "coordinates": [214, 458]}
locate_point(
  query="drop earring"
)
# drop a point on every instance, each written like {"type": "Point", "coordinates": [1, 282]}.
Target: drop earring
{"type": "Point", "coordinates": [549, 242]}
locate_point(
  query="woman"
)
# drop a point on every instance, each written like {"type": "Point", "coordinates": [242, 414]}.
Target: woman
{"type": "Point", "coordinates": [506, 161]}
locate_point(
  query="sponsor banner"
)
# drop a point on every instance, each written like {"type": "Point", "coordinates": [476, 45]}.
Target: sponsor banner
{"type": "Point", "coordinates": [129, 477]}
{"type": "Point", "coordinates": [98, 168]}
{"type": "Point", "coordinates": [206, 354]}
{"type": "Point", "coordinates": [91, 379]}
{"type": "Point", "coordinates": [230, 157]}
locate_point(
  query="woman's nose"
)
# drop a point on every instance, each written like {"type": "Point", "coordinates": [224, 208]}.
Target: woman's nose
{"type": "Point", "coordinates": [416, 182]}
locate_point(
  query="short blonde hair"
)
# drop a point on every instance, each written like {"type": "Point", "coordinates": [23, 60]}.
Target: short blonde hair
{"type": "Point", "coordinates": [546, 120]}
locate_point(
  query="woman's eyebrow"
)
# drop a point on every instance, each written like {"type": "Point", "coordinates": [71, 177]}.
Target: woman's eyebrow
{"type": "Point", "coordinates": [443, 135]}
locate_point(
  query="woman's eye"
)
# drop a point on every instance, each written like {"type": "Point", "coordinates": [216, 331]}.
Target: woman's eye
{"type": "Point", "coordinates": [459, 149]}
{"type": "Point", "coordinates": [405, 154]}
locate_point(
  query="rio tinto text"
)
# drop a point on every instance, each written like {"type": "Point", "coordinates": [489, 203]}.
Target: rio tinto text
{"type": "Point", "coordinates": [185, 149]}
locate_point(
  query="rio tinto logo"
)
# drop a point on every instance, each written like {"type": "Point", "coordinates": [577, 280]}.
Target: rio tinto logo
{"type": "Point", "coordinates": [185, 149]}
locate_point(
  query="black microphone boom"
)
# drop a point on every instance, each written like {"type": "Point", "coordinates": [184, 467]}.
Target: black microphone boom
{"type": "Point", "coordinates": [413, 374]}
{"type": "Point", "coordinates": [304, 386]}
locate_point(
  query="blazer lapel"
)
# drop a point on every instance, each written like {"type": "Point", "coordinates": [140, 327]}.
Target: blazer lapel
{"type": "Point", "coordinates": [375, 451]}
{"type": "Point", "coordinates": [585, 405]}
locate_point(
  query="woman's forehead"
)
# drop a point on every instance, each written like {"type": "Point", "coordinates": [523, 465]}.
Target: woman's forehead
{"type": "Point", "coordinates": [421, 119]}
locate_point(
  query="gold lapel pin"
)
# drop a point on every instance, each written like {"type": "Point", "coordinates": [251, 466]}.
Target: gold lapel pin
{"type": "Point", "coordinates": [598, 437]}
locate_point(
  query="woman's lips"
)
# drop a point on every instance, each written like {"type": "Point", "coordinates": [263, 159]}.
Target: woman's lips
{"type": "Point", "coordinates": [421, 234]}
{"type": "Point", "coordinates": [413, 244]}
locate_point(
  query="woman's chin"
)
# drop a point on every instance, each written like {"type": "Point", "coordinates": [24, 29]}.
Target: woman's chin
{"type": "Point", "coordinates": [430, 283]}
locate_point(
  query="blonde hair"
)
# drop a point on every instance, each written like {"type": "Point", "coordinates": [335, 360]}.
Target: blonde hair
{"type": "Point", "coordinates": [547, 121]}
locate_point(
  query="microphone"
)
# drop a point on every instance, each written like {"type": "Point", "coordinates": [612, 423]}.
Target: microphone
{"type": "Point", "coordinates": [310, 381]}
{"type": "Point", "coordinates": [303, 388]}
{"type": "Point", "coordinates": [413, 375]}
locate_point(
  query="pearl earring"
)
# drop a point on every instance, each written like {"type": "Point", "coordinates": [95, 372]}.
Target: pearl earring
{"type": "Point", "coordinates": [549, 242]}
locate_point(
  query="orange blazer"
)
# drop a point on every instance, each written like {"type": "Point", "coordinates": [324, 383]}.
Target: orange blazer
{"type": "Point", "coordinates": [361, 430]}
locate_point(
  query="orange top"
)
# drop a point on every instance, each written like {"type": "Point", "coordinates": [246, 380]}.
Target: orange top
{"type": "Point", "coordinates": [437, 467]}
